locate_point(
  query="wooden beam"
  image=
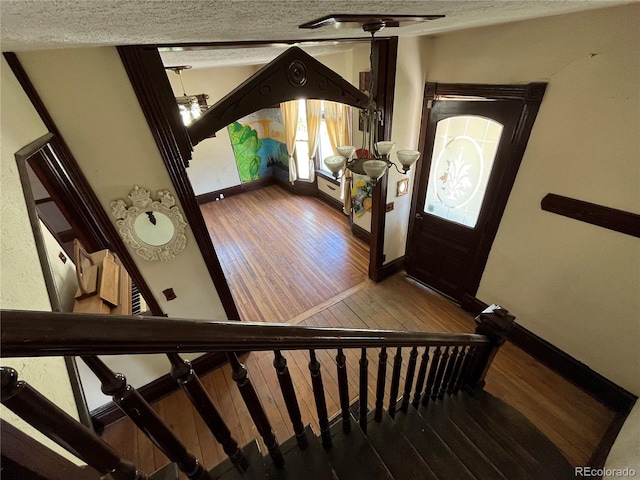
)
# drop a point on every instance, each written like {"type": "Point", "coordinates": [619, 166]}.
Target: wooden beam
{"type": "Point", "coordinates": [606, 217]}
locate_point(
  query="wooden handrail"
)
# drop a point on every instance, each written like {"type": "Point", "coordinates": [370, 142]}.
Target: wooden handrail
{"type": "Point", "coordinates": [30, 334]}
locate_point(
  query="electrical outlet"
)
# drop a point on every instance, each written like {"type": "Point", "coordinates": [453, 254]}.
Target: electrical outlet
{"type": "Point", "coordinates": [389, 207]}
{"type": "Point", "coordinates": [169, 294]}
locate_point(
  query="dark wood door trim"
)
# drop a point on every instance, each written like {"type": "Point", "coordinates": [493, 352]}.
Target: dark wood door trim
{"type": "Point", "coordinates": [149, 81]}
{"type": "Point", "coordinates": [530, 95]}
{"type": "Point", "coordinates": [385, 55]}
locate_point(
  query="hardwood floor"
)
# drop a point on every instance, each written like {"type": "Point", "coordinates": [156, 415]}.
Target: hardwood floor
{"type": "Point", "coordinates": [572, 419]}
{"type": "Point", "coordinates": [283, 254]}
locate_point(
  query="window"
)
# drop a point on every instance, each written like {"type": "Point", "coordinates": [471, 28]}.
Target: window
{"type": "Point", "coordinates": [302, 143]}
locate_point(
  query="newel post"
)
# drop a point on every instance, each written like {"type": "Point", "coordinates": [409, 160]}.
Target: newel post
{"type": "Point", "coordinates": [494, 322]}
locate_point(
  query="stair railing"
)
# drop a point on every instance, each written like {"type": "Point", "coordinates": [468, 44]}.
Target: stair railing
{"type": "Point", "coordinates": [448, 362]}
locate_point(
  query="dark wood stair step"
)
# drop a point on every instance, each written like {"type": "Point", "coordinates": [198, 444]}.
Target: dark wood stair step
{"type": "Point", "coordinates": [257, 469]}
{"type": "Point", "coordinates": [511, 459]}
{"type": "Point", "coordinates": [435, 452]}
{"type": "Point", "coordinates": [353, 457]}
{"type": "Point", "coordinates": [311, 463]}
{"type": "Point", "coordinates": [469, 452]}
{"type": "Point", "coordinates": [512, 429]}
{"type": "Point", "coordinates": [397, 453]}
{"type": "Point", "coordinates": [168, 472]}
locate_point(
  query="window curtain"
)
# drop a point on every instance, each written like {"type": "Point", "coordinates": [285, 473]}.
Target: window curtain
{"type": "Point", "coordinates": [336, 116]}
{"type": "Point", "coordinates": [314, 114]}
{"type": "Point", "coordinates": [290, 120]}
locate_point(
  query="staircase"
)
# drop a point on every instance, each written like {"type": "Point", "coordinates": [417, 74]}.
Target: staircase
{"type": "Point", "coordinates": [457, 437]}
{"type": "Point", "coordinates": [443, 425]}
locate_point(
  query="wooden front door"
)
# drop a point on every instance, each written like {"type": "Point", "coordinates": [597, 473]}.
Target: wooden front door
{"type": "Point", "coordinates": [472, 148]}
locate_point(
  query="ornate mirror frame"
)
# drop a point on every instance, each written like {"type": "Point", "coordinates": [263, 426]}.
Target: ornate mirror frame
{"type": "Point", "coordinates": [130, 218]}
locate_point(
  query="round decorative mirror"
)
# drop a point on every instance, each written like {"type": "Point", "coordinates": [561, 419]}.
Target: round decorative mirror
{"type": "Point", "coordinates": [154, 228]}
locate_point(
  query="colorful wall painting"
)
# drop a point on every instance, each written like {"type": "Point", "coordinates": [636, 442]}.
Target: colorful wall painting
{"type": "Point", "coordinates": [361, 194]}
{"type": "Point", "coordinates": [258, 144]}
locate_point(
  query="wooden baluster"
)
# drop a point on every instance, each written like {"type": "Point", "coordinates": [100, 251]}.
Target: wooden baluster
{"type": "Point", "coordinates": [453, 384]}
{"type": "Point", "coordinates": [469, 360]}
{"type": "Point", "coordinates": [182, 372]}
{"type": "Point", "coordinates": [364, 391]}
{"type": "Point", "coordinates": [321, 402]}
{"type": "Point", "coordinates": [343, 387]}
{"type": "Point", "coordinates": [448, 372]}
{"type": "Point", "coordinates": [436, 383]}
{"type": "Point", "coordinates": [290, 400]}
{"type": "Point", "coordinates": [422, 373]}
{"type": "Point", "coordinates": [147, 420]}
{"type": "Point", "coordinates": [432, 375]}
{"type": "Point", "coordinates": [42, 414]}
{"type": "Point", "coordinates": [494, 322]}
{"type": "Point", "coordinates": [382, 377]}
{"type": "Point", "coordinates": [240, 375]}
{"type": "Point", "coordinates": [408, 383]}
{"type": "Point", "coordinates": [395, 382]}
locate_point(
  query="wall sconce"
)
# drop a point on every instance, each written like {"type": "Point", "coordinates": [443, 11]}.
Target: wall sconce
{"type": "Point", "coordinates": [402, 187]}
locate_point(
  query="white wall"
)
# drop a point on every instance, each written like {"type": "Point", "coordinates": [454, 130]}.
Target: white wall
{"type": "Point", "coordinates": [407, 110]}
{"type": "Point", "coordinates": [64, 273]}
{"type": "Point", "coordinates": [21, 281]}
{"type": "Point", "coordinates": [574, 284]}
{"type": "Point", "coordinates": [213, 166]}
{"type": "Point", "coordinates": [115, 150]}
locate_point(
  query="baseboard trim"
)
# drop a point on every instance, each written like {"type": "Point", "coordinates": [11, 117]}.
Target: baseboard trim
{"type": "Point", "coordinates": [109, 413]}
{"type": "Point", "coordinates": [599, 387]}
{"type": "Point", "coordinates": [235, 190]}
{"type": "Point", "coordinates": [361, 233]}
{"type": "Point", "coordinates": [329, 200]}
{"type": "Point", "coordinates": [600, 454]}
{"type": "Point", "coordinates": [390, 268]}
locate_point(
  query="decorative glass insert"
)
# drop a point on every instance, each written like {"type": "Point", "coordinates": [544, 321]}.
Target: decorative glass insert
{"type": "Point", "coordinates": [463, 154]}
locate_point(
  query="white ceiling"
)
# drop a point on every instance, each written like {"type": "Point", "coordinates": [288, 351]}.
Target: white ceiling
{"type": "Point", "coordinates": [44, 24]}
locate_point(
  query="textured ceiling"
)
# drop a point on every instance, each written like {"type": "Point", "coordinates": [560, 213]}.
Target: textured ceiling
{"type": "Point", "coordinates": [43, 24]}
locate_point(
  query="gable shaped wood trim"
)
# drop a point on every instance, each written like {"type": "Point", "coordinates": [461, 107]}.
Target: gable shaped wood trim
{"type": "Point", "coordinates": [151, 85]}
{"type": "Point", "coordinates": [291, 75]}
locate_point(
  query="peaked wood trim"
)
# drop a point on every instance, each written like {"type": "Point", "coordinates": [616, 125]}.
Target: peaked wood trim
{"type": "Point", "coordinates": [151, 85]}
{"type": "Point", "coordinates": [291, 75]}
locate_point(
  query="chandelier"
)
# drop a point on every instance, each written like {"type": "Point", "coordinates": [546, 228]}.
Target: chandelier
{"type": "Point", "coordinates": [374, 158]}
{"type": "Point", "coordinates": [190, 106]}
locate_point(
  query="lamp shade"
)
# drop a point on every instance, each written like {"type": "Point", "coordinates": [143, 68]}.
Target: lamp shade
{"type": "Point", "coordinates": [335, 163]}
{"type": "Point", "coordinates": [374, 168]}
{"type": "Point", "coordinates": [407, 157]}
{"type": "Point", "coordinates": [384, 147]}
{"type": "Point", "coordinates": [346, 150]}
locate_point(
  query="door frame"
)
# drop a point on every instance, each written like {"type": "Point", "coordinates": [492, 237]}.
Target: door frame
{"type": "Point", "coordinates": [530, 95]}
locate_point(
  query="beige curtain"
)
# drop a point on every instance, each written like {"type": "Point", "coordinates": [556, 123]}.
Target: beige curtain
{"type": "Point", "coordinates": [290, 120]}
{"type": "Point", "coordinates": [314, 113]}
{"type": "Point", "coordinates": [337, 117]}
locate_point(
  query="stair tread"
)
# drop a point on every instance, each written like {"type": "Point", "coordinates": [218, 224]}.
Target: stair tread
{"type": "Point", "coordinates": [507, 462]}
{"type": "Point", "coordinates": [397, 453]}
{"type": "Point", "coordinates": [353, 457]}
{"type": "Point", "coordinates": [311, 463]}
{"type": "Point", "coordinates": [516, 433]}
{"type": "Point", "coordinates": [436, 453]}
{"type": "Point", "coordinates": [476, 461]}
{"type": "Point", "coordinates": [227, 471]}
